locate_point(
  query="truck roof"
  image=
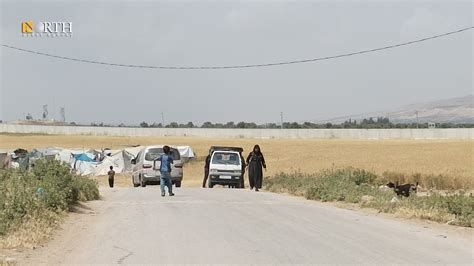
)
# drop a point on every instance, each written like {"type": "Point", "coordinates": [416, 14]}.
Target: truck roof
{"type": "Point", "coordinates": [226, 148]}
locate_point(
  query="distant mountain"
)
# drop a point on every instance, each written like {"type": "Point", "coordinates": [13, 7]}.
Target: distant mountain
{"type": "Point", "coordinates": [455, 110]}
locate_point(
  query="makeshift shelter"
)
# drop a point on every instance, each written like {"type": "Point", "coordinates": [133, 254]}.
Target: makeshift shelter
{"type": "Point", "coordinates": [186, 152]}
{"type": "Point", "coordinates": [91, 161]}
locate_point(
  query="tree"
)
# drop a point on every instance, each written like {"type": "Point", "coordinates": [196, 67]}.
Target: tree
{"type": "Point", "coordinates": [207, 125]}
{"type": "Point", "coordinates": [144, 124]}
{"type": "Point", "coordinates": [240, 125]}
{"type": "Point", "coordinates": [173, 125]}
{"type": "Point", "coordinates": [230, 124]}
{"type": "Point", "coordinates": [156, 125]}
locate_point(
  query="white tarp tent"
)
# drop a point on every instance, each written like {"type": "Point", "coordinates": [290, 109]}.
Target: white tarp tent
{"type": "Point", "coordinates": [186, 152]}
{"type": "Point", "coordinates": [86, 162]}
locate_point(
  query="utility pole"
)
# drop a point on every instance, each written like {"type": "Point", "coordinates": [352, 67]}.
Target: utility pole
{"type": "Point", "coordinates": [45, 112]}
{"type": "Point", "coordinates": [417, 121]}
{"type": "Point", "coordinates": [162, 119]}
{"type": "Point", "coordinates": [281, 119]}
{"type": "Point", "coordinates": [62, 112]}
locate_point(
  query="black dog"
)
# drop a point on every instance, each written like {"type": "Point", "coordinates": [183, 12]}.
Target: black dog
{"type": "Point", "coordinates": [403, 190]}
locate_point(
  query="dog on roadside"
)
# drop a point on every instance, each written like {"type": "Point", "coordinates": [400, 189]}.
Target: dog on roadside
{"type": "Point", "coordinates": [403, 190]}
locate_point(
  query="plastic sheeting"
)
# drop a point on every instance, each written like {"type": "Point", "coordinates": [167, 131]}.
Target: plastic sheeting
{"type": "Point", "coordinates": [83, 161]}
{"type": "Point", "coordinates": [186, 152]}
{"type": "Point", "coordinates": [86, 157]}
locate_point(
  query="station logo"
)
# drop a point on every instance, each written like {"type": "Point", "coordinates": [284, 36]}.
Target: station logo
{"type": "Point", "coordinates": [46, 29]}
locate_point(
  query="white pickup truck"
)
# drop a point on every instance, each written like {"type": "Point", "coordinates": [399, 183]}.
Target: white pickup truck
{"type": "Point", "coordinates": [225, 168]}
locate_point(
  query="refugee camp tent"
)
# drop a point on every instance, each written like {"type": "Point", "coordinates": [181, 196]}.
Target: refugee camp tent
{"type": "Point", "coordinates": [49, 152]}
{"type": "Point", "coordinates": [186, 152]}
{"type": "Point", "coordinates": [96, 162]}
{"type": "Point", "coordinates": [84, 167]}
{"type": "Point", "coordinates": [133, 150]}
{"type": "Point", "coordinates": [116, 160]}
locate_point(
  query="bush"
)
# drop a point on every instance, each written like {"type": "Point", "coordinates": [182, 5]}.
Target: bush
{"type": "Point", "coordinates": [351, 185]}
{"type": "Point", "coordinates": [342, 185]}
{"type": "Point", "coordinates": [48, 187]}
{"type": "Point", "coordinates": [429, 181]}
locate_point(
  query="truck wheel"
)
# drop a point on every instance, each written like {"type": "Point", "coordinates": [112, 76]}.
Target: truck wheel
{"type": "Point", "coordinates": [177, 184]}
{"type": "Point", "coordinates": [211, 185]}
{"type": "Point", "coordinates": [142, 182]}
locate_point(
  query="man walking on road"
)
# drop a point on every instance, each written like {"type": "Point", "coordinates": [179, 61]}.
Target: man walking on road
{"type": "Point", "coordinates": [111, 174]}
{"type": "Point", "coordinates": [165, 171]}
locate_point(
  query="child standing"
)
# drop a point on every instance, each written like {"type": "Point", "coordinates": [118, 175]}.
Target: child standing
{"type": "Point", "coordinates": [165, 171]}
{"type": "Point", "coordinates": [111, 174]}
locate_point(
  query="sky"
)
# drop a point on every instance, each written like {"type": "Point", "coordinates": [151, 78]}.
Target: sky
{"type": "Point", "coordinates": [209, 33]}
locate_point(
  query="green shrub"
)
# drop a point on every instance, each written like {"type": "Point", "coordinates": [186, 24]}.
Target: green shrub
{"type": "Point", "coordinates": [48, 187]}
{"type": "Point", "coordinates": [350, 185]}
{"type": "Point", "coordinates": [428, 181]}
{"type": "Point", "coordinates": [87, 188]}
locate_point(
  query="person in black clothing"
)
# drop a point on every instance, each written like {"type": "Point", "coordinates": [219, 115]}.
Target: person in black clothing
{"type": "Point", "coordinates": [206, 169]}
{"type": "Point", "coordinates": [256, 161]}
{"type": "Point", "coordinates": [242, 182]}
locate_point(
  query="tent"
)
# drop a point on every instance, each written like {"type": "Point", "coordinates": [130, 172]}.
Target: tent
{"type": "Point", "coordinates": [84, 162]}
{"type": "Point", "coordinates": [186, 153]}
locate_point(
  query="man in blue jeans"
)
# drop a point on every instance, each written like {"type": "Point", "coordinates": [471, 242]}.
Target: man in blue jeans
{"type": "Point", "coordinates": [165, 171]}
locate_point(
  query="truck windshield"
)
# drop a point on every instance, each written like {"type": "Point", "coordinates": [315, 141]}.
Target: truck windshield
{"type": "Point", "coordinates": [156, 152]}
{"type": "Point", "coordinates": [226, 158]}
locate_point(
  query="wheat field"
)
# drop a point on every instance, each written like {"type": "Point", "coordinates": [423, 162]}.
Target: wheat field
{"type": "Point", "coordinates": [452, 159]}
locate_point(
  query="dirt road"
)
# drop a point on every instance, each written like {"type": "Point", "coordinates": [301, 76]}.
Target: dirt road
{"type": "Point", "coordinates": [137, 225]}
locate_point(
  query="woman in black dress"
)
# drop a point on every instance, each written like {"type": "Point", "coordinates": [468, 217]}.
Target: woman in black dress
{"type": "Point", "coordinates": [256, 161]}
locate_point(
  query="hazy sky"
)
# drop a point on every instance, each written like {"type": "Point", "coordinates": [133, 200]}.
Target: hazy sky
{"type": "Point", "coordinates": [195, 33]}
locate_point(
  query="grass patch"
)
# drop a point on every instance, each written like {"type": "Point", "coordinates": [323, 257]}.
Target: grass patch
{"type": "Point", "coordinates": [360, 186]}
{"type": "Point", "coordinates": [32, 202]}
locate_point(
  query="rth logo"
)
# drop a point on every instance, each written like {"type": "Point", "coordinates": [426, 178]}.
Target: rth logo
{"type": "Point", "coordinates": [48, 29]}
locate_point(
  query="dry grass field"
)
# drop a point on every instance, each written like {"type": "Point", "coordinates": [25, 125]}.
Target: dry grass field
{"type": "Point", "coordinates": [452, 159]}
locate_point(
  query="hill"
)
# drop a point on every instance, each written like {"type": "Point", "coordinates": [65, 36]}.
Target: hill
{"type": "Point", "coordinates": [454, 110]}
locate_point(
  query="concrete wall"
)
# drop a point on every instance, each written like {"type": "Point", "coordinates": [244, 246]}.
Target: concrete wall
{"type": "Point", "coordinates": [449, 133]}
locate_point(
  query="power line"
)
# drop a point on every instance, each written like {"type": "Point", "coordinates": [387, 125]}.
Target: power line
{"type": "Point", "coordinates": [241, 66]}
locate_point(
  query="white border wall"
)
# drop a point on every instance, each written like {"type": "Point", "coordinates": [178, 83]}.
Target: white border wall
{"type": "Point", "coordinates": [437, 133]}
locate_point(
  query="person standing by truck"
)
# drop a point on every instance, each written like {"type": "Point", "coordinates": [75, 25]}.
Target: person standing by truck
{"type": "Point", "coordinates": [242, 160]}
{"type": "Point", "coordinates": [256, 161]}
{"type": "Point", "coordinates": [206, 168]}
{"type": "Point", "coordinates": [165, 171]}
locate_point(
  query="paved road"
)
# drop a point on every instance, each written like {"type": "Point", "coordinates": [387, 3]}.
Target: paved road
{"type": "Point", "coordinates": [136, 225]}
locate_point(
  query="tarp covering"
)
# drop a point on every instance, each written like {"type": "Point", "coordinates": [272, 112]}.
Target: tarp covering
{"type": "Point", "coordinates": [186, 151]}
{"type": "Point", "coordinates": [86, 157]}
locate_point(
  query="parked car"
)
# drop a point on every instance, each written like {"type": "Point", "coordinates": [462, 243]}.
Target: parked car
{"type": "Point", "coordinates": [225, 167]}
{"type": "Point", "coordinates": [145, 170]}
